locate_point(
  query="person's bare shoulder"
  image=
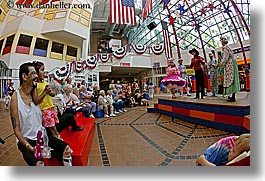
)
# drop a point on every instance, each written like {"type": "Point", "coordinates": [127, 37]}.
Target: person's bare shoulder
{"type": "Point", "coordinates": [13, 100]}
{"type": "Point", "coordinates": [14, 110]}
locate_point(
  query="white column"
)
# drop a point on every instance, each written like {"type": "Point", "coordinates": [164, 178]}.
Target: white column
{"type": "Point", "coordinates": [85, 48]}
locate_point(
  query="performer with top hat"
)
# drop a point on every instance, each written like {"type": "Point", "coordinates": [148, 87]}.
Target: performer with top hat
{"type": "Point", "coordinates": [197, 63]}
{"type": "Point", "coordinates": [173, 81]}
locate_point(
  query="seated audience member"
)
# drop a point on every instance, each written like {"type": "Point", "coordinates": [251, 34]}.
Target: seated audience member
{"type": "Point", "coordinates": [224, 150]}
{"type": "Point", "coordinates": [69, 81]}
{"type": "Point", "coordinates": [90, 88]}
{"type": "Point", "coordinates": [95, 93]}
{"type": "Point", "coordinates": [118, 102]}
{"type": "Point", "coordinates": [118, 86]}
{"type": "Point", "coordinates": [74, 85]}
{"type": "Point", "coordinates": [132, 100]}
{"type": "Point", "coordinates": [104, 104]}
{"type": "Point", "coordinates": [63, 83]}
{"type": "Point", "coordinates": [138, 97]}
{"type": "Point", "coordinates": [125, 98]}
{"type": "Point", "coordinates": [73, 104]}
{"type": "Point", "coordinates": [129, 88]}
{"type": "Point", "coordinates": [26, 118]}
{"type": "Point", "coordinates": [76, 91]}
{"type": "Point", "coordinates": [86, 97]}
{"type": "Point", "coordinates": [135, 86]}
{"type": "Point", "coordinates": [83, 82]}
{"type": "Point", "coordinates": [65, 119]}
{"type": "Point", "coordinates": [145, 98]}
{"type": "Point", "coordinates": [110, 100]}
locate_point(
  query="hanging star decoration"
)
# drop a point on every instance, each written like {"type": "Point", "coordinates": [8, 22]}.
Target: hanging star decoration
{"type": "Point", "coordinates": [165, 2]}
{"type": "Point", "coordinates": [181, 9]}
{"type": "Point", "coordinates": [227, 10]}
{"type": "Point", "coordinates": [203, 12]}
{"type": "Point", "coordinates": [197, 24]}
{"type": "Point", "coordinates": [211, 6]}
{"type": "Point", "coordinates": [171, 20]}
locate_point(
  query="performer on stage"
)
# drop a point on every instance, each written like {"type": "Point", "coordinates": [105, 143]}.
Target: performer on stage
{"type": "Point", "coordinates": [183, 75]}
{"type": "Point", "coordinates": [172, 81]}
{"type": "Point", "coordinates": [212, 64]}
{"type": "Point", "coordinates": [197, 62]}
{"type": "Point", "coordinates": [220, 79]}
{"type": "Point", "coordinates": [231, 77]}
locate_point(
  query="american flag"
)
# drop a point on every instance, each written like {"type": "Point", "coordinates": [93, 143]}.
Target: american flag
{"type": "Point", "coordinates": [167, 43]}
{"type": "Point", "coordinates": [122, 12]}
{"type": "Point", "coordinates": [147, 8]}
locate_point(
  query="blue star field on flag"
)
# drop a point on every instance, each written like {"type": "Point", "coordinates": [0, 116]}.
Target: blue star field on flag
{"type": "Point", "coordinates": [128, 3]}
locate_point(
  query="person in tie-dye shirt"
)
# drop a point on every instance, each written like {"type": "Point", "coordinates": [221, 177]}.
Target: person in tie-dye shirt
{"type": "Point", "coordinates": [224, 150]}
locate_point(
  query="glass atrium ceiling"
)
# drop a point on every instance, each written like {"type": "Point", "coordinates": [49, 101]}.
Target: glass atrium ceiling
{"type": "Point", "coordinates": [198, 23]}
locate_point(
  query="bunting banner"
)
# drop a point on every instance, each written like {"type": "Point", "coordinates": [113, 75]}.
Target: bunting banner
{"type": "Point", "coordinates": [139, 49]}
{"type": "Point", "coordinates": [79, 66]}
{"type": "Point", "coordinates": [120, 53]}
{"type": "Point", "coordinates": [73, 66]}
{"type": "Point", "coordinates": [104, 58]}
{"type": "Point", "coordinates": [157, 49]}
{"type": "Point", "coordinates": [91, 62]}
{"type": "Point", "coordinates": [62, 72]}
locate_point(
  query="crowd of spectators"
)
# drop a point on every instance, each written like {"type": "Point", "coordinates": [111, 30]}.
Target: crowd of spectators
{"type": "Point", "coordinates": [87, 99]}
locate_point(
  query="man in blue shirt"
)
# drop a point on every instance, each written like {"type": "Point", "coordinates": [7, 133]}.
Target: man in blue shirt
{"type": "Point", "coordinates": [183, 74]}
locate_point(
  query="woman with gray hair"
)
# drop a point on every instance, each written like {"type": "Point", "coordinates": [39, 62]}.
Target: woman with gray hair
{"type": "Point", "coordinates": [86, 99]}
{"type": "Point", "coordinates": [231, 77]}
{"type": "Point", "coordinates": [65, 119]}
{"type": "Point", "coordinates": [104, 104]}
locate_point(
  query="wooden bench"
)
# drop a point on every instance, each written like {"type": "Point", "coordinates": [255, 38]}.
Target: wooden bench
{"type": "Point", "coordinates": [79, 141]}
{"type": "Point", "coordinates": [243, 162]}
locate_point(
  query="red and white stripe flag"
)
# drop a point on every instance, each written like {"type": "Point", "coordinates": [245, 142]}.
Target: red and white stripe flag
{"type": "Point", "coordinates": [122, 12]}
{"type": "Point", "coordinates": [147, 8]}
{"type": "Point", "coordinates": [167, 44]}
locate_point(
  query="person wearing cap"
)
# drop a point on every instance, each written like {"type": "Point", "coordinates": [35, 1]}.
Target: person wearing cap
{"type": "Point", "coordinates": [172, 81]}
{"type": "Point", "coordinates": [231, 77]}
{"type": "Point", "coordinates": [183, 75]}
{"type": "Point", "coordinates": [212, 64]}
{"type": "Point", "coordinates": [197, 63]}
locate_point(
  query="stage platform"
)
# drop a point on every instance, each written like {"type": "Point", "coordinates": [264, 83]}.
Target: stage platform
{"type": "Point", "coordinates": [213, 112]}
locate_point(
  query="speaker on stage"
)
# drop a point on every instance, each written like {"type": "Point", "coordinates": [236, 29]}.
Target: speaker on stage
{"type": "Point", "coordinates": [151, 26]}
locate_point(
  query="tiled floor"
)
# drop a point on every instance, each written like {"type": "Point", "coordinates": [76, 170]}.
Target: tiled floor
{"type": "Point", "coordinates": [134, 138]}
{"type": "Point", "coordinates": [138, 138]}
